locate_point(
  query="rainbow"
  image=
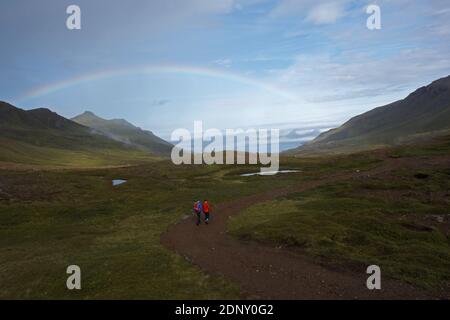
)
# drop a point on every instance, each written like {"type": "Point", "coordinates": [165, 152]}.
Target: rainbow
{"type": "Point", "coordinates": [151, 69]}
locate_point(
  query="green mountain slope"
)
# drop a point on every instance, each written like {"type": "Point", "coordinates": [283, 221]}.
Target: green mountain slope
{"type": "Point", "coordinates": [43, 137]}
{"type": "Point", "coordinates": [123, 131]}
{"type": "Point", "coordinates": [424, 113]}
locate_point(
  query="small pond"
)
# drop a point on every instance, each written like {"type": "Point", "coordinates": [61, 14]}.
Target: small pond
{"type": "Point", "coordinates": [267, 173]}
{"type": "Point", "coordinates": [117, 182]}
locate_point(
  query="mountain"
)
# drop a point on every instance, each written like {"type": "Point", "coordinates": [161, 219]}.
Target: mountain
{"type": "Point", "coordinates": [422, 114]}
{"type": "Point", "coordinates": [40, 136]}
{"type": "Point", "coordinates": [12, 117]}
{"type": "Point", "coordinates": [42, 127]}
{"type": "Point", "coordinates": [123, 131]}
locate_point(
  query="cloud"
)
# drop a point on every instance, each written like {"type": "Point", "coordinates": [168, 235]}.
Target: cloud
{"type": "Point", "coordinates": [320, 50]}
{"type": "Point", "coordinates": [223, 62]}
{"type": "Point", "coordinates": [292, 8]}
{"type": "Point", "coordinates": [159, 102]}
{"type": "Point", "coordinates": [322, 12]}
{"type": "Point", "coordinates": [351, 75]}
{"type": "Point", "coordinates": [207, 6]}
{"type": "Point", "coordinates": [441, 21]}
{"type": "Point", "coordinates": [326, 13]}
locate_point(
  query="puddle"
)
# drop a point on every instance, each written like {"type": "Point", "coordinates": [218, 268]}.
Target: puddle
{"type": "Point", "coordinates": [416, 227]}
{"type": "Point", "coordinates": [117, 182]}
{"type": "Point", "coordinates": [267, 173]}
{"type": "Point", "coordinates": [421, 175]}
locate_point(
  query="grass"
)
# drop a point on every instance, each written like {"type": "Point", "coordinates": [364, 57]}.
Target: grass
{"type": "Point", "coordinates": [440, 146]}
{"type": "Point", "coordinates": [112, 233]}
{"type": "Point", "coordinates": [50, 219]}
{"type": "Point", "coordinates": [379, 220]}
{"type": "Point", "coordinates": [29, 154]}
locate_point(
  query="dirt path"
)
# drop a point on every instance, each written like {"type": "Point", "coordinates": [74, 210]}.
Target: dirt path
{"type": "Point", "coordinates": [265, 272]}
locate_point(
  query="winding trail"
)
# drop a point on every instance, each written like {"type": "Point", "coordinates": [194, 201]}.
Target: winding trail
{"type": "Point", "coordinates": [265, 272]}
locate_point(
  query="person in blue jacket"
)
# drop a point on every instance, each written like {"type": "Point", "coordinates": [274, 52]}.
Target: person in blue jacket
{"type": "Point", "coordinates": [198, 209]}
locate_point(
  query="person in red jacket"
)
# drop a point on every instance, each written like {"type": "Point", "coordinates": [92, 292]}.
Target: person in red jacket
{"type": "Point", "coordinates": [206, 210]}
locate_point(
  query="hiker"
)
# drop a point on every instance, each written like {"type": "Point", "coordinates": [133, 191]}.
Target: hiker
{"type": "Point", "coordinates": [196, 212]}
{"type": "Point", "coordinates": [198, 208]}
{"type": "Point", "coordinates": [206, 210]}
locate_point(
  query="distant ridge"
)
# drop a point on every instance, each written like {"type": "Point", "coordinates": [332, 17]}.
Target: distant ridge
{"type": "Point", "coordinates": [422, 114]}
{"type": "Point", "coordinates": [40, 118]}
{"type": "Point", "coordinates": [125, 132]}
{"type": "Point", "coordinates": [41, 136]}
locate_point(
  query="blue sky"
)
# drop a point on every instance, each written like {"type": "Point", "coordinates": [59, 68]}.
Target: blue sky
{"type": "Point", "coordinates": [288, 64]}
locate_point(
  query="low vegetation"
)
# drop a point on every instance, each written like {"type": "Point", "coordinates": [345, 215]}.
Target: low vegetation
{"type": "Point", "coordinates": [397, 218]}
{"type": "Point", "coordinates": [51, 218]}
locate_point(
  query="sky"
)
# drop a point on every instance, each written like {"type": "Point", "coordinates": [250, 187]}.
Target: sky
{"type": "Point", "coordinates": [303, 66]}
